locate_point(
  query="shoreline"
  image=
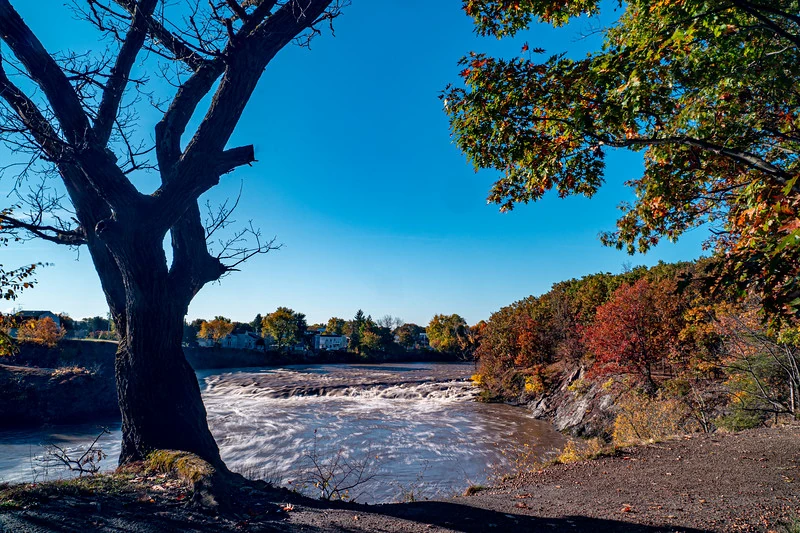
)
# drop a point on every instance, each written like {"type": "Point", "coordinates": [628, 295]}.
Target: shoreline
{"type": "Point", "coordinates": [692, 483]}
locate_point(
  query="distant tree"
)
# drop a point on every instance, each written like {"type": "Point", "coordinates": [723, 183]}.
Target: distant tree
{"type": "Point", "coordinates": [243, 327]}
{"type": "Point", "coordinates": [43, 331]}
{"type": "Point", "coordinates": [316, 327]}
{"type": "Point", "coordinates": [408, 335]}
{"type": "Point", "coordinates": [285, 326]}
{"type": "Point", "coordinates": [390, 322]}
{"type": "Point", "coordinates": [448, 333]}
{"type": "Point", "coordinates": [354, 329]}
{"type": "Point", "coordinates": [11, 283]}
{"type": "Point", "coordinates": [256, 323]}
{"type": "Point", "coordinates": [335, 326]}
{"type": "Point", "coordinates": [370, 342]}
{"type": "Point", "coordinates": [67, 323]}
{"type": "Point", "coordinates": [637, 328]}
{"type": "Point", "coordinates": [216, 329]}
{"type": "Point", "coordinates": [97, 323]}
{"type": "Point", "coordinates": [190, 332]}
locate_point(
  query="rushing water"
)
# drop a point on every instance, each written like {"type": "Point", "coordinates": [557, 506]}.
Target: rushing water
{"type": "Point", "coordinates": [408, 429]}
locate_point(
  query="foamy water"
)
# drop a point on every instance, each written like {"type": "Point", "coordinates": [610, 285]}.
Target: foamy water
{"type": "Point", "coordinates": [411, 429]}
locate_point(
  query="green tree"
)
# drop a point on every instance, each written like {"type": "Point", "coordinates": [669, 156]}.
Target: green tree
{"type": "Point", "coordinates": [408, 335]}
{"type": "Point", "coordinates": [335, 326]}
{"type": "Point", "coordinates": [448, 333]}
{"type": "Point", "coordinates": [285, 326]}
{"type": "Point", "coordinates": [706, 90]}
{"type": "Point", "coordinates": [190, 332]}
{"type": "Point", "coordinates": [354, 330]}
{"type": "Point", "coordinates": [256, 323]}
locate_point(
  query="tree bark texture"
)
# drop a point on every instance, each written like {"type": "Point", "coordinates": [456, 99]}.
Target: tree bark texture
{"type": "Point", "coordinates": [159, 395]}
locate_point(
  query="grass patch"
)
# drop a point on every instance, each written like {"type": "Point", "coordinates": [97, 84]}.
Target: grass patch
{"type": "Point", "coordinates": [474, 489]}
{"type": "Point", "coordinates": [31, 494]}
{"type": "Point", "coordinates": [187, 466]}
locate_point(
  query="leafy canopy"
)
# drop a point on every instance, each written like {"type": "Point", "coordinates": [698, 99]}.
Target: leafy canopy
{"type": "Point", "coordinates": [285, 326]}
{"type": "Point", "coordinates": [707, 91]}
{"type": "Point", "coordinates": [216, 329]}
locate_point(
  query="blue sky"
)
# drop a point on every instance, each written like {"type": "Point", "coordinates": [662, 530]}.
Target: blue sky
{"type": "Point", "coordinates": [357, 176]}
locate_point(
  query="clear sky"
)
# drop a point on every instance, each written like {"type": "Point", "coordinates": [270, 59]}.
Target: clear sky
{"type": "Point", "coordinates": [358, 177]}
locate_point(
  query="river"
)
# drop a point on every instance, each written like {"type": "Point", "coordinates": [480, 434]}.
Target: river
{"type": "Point", "coordinates": [396, 431]}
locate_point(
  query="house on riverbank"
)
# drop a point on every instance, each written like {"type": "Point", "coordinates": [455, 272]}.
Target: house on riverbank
{"type": "Point", "coordinates": [330, 343]}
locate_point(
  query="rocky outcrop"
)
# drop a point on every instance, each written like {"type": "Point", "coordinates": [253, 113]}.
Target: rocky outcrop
{"type": "Point", "coordinates": [577, 406]}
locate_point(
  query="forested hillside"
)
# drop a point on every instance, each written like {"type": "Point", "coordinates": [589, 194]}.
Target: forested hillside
{"type": "Point", "coordinates": [654, 339]}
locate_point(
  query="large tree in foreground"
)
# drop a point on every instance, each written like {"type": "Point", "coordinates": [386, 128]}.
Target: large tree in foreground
{"type": "Point", "coordinates": [74, 115]}
{"type": "Point", "coordinates": [707, 90]}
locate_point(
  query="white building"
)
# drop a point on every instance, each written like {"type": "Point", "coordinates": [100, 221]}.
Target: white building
{"type": "Point", "coordinates": [330, 343]}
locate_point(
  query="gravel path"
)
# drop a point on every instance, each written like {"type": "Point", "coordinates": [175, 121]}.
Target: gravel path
{"type": "Point", "coordinates": [723, 482]}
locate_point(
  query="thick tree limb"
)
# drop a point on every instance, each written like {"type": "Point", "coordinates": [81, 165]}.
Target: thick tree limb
{"type": "Point", "coordinates": [167, 39]}
{"type": "Point", "coordinates": [120, 73]}
{"type": "Point", "coordinates": [746, 158]}
{"type": "Point", "coordinates": [756, 11]}
{"type": "Point", "coordinates": [32, 117]}
{"type": "Point", "coordinates": [105, 176]}
{"type": "Point", "coordinates": [46, 73]}
{"type": "Point", "coordinates": [246, 59]}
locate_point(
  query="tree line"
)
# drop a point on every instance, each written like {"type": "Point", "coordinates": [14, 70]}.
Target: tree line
{"type": "Point", "coordinates": [657, 330]}
{"type": "Point", "coordinates": [447, 334]}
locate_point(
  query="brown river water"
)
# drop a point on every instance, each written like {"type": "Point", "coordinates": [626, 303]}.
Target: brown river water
{"type": "Point", "coordinates": [408, 430]}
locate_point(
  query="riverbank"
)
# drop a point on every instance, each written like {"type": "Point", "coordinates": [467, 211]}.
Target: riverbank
{"type": "Point", "coordinates": [721, 482]}
{"type": "Point", "coordinates": [74, 382]}
{"type": "Point", "coordinates": [98, 356]}
{"type": "Point", "coordinates": [32, 396]}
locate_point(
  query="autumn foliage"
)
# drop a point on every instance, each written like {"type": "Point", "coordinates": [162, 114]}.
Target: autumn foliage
{"type": "Point", "coordinates": [635, 330]}
{"type": "Point", "coordinates": [43, 331]}
{"type": "Point", "coordinates": [216, 329]}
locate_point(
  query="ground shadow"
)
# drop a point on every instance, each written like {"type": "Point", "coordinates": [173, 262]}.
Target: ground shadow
{"type": "Point", "coordinates": [470, 519]}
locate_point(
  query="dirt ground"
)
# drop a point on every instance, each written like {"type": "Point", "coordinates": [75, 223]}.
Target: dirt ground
{"type": "Point", "coordinates": [722, 482]}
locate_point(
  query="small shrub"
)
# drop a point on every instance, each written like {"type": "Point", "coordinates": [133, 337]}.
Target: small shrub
{"type": "Point", "coordinates": [576, 451]}
{"type": "Point", "coordinates": [534, 384]}
{"type": "Point", "coordinates": [644, 418]}
{"type": "Point", "coordinates": [739, 420]}
{"type": "Point", "coordinates": [579, 387]}
{"type": "Point", "coordinates": [43, 331]}
{"type": "Point", "coordinates": [474, 489]}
